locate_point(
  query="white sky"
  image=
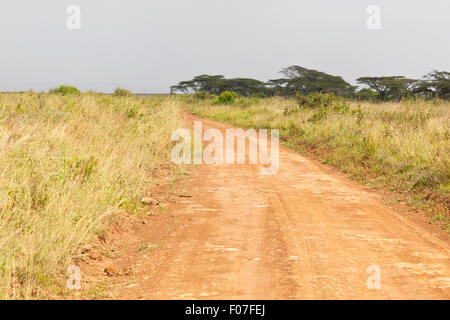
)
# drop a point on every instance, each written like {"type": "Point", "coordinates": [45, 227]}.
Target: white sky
{"type": "Point", "coordinates": [147, 46]}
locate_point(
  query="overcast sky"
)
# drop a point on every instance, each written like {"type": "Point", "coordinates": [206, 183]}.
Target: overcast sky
{"type": "Point", "coordinates": [147, 46]}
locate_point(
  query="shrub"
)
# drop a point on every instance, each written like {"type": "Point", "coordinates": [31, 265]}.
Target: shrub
{"type": "Point", "coordinates": [317, 100]}
{"type": "Point", "coordinates": [227, 97]}
{"type": "Point", "coordinates": [119, 92]}
{"type": "Point", "coordinates": [260, 95]}
{"type": "Point", "coordinates": [319, 115]}
{"type": "Point", "coordinates": [367, 94]}
{"type": "Point", "coordinates": [65, 90]}
{"type": "Point", "coordinates": [325, 102]}
{"type": "Point", "coordinates": [202, 95]}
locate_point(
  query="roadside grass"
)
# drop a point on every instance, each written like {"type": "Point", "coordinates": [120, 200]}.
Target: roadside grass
{"type": "Point", "coordinates": [68, 164]}
{"type": "Point", "coordinates": [404, 146]}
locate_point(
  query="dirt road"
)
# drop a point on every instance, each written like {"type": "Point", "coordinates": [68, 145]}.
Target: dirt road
{"type": "Point", "coordinates": [305, 233]}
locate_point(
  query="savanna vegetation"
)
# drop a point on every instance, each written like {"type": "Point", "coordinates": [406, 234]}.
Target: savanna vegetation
{"type": "Point", "coordinates": [402, 145]}
{"type": "Point", "coordinates": [300, 80]}
{"type": "Point", "coordinates": [69, 162]}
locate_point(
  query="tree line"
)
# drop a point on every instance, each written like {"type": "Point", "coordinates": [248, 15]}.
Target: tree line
{"type": "Point", "coordinates": [300, 80]}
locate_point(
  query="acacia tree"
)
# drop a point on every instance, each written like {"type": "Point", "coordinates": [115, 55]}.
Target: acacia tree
{"type": "Point", "coordinates": [211, 84]}
{"type": "Point", "coordinates": [302, 80]}
{"type": "Point", "coordinates": [298, 80]}
{"type": "Point", "coordinates": [218, 84]}
{"type": "Point", "coordinates": [436, 83]}
{"type": "Point", "coordinates": [393, 87]}
{"type": "Point", "coordinates": [246, 86]}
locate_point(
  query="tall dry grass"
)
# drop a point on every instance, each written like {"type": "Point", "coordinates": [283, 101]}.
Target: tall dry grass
{"type": "Point", "coordinates": [67, 163]}
{"type": "Point", "coordinates": [403, 145]}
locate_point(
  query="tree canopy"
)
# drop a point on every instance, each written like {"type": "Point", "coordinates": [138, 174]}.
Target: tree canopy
{"type": "Point", "coordinates": [437, 83]}
{"type": "Point", "coordinates": [218, 84]}
{"type": "Point", "coordinates": [434, 84]}
{"type": "Point", "coordinates": [393, 87]}
{"type": "Point", "coordinates": [305, 81]}
{"type": "Point", "coordinates": [300, 80]}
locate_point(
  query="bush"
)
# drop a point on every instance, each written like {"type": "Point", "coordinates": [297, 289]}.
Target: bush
{"type": "Point", "coordinates": [65, 90]}
{"type": "Point", "coordinates": [317, 100]}
{"type": "Point", "coordinates": [258, 95]}
{"type": "Point", "coordinates": [366, 94]}
{"type": "Point", "coordinates": [202, 95]}
{"type": "Point", "coordinates": [119, 92]}
{"type": "Point", "coordinates": [227, 97]}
